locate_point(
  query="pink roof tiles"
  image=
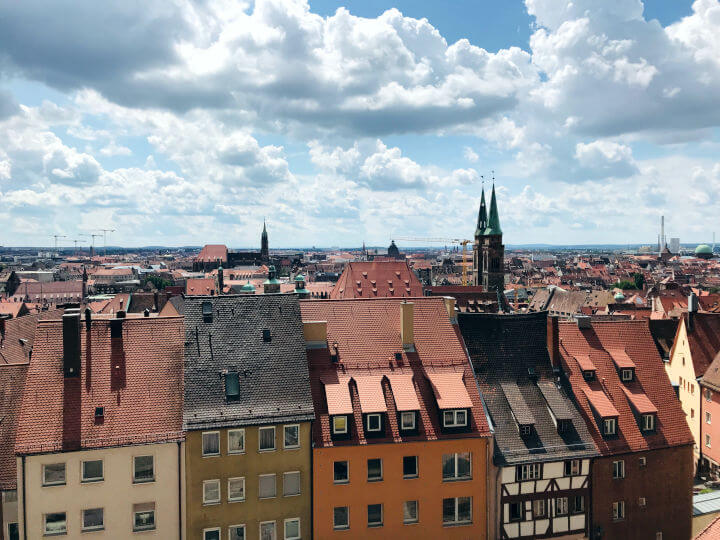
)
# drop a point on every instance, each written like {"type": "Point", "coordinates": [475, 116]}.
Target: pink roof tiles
{"type": "Point", "coordinates": [640, 402]}
{"type": "Point", "coordinates": [370, 392]}
{"type": "Point", "coordinates": [377, 279]}
{"type": "Point", "coordinates": [337, 394]}
{"type": "Point", "coordinates": [449, 390]}
{"type": "Point", "coordinates": [403, 391]}
{"type": "Point", "coordinates": [584, 362]}
{"type": "Point", "coordinates": [600, 403]}
{"type": "Point", "coordinates": [621, 358]}
{"type": "Point", "coordinates": [213, 252]}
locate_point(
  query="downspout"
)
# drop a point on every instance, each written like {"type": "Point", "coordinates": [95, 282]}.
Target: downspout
{"type": "Point", "coordinates": [312, 482]}
{"type": "Point", "coordinates": [700, 420]}
{"type": "Point", "coordinates": [180, 490]}
{"type": "Point", "coordinates": [24, 505]}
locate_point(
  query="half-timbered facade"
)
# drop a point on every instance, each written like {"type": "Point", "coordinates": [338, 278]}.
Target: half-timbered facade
{"type": "Point", "coordinates": [542, 446]}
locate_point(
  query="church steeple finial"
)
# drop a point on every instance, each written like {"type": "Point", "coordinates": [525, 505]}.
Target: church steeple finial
{"type": "Point", "coordinates": [482, 215]}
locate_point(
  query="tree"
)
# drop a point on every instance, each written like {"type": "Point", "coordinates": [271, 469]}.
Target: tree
{"type": "Point", "coordinates": [624, 285]}
{"type": "Point", "coordinates": [639, 280]}
{"type": "Point", "coordinates": [160, 283]}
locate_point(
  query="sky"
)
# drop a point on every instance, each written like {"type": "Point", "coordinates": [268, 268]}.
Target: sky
{"type": "Point", "coordinates": [184, 122]}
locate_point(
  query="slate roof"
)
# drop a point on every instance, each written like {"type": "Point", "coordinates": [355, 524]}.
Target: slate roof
{"type": "Point", "coordinates": [367, 332]}
{"type": "Point", "coordinates": [377, 279]}
{"type": "Point", "coordinates": [12, 384]}
{"type": "Point", "coordinates": [274, 381]}
{"type": "Point", "coordinates": [502, 349]}
{"type": "Point", "coordinates": [651, 387]}
{"type": "Point", "coordinates": [137, 378]}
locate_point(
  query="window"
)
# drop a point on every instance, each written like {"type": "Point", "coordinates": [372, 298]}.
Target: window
{"type": "Point", "coordinates": [573, 467]}
{"type": "Point", "coordinates": [373, 422]}
{"type": "Point", "coordinates": [627, 375]}
{"type": "Point", "coordinates": [692, 413]}
{"type": "Point", "coordinates": [588, 375]}
{"type": "Point", "coordinates": [410, 466]}
{"type": "Point", "coordinates": [266, 335]}
{"type": "Point", "coordinates": [267, 438]}
{"type": "Point", "coordinates": [708, 417]}
{"type": "Point", "coordinates": [291, 483]}
{"type": "Point", "coordinates": [528, 472]}
{"type": "Point", "coordinates": [232, 388]}
{"type": "Point", "coordinates": [211, 534]}
{"type": "Point", "coordinates": [375, 515]}
{"type": "Point", "coordinates": [55, 523]}
{"type": "Point", "coordinates": [92, 519]}
{"type": "Point", "coordinates": [292, 529]}
{"type": "Point", "coordinates": [457, 510]}
{"type": "Point", "coordinates": [526, 430]}
{"type": "Point", "coordinates": [707, 440]}
{"type": "Point", "coordinates": [207, 311]}
{"type": "Point", "coordinates": [341, 517]}
{"type": "Point", "coordinates": [643, 461]}
{"type": "Point", "coordinates": [708, 397]}
{"type": "Point", "coordinates": [410, 512]}
{"type": "Point", "coordinates": [92, 471]}
{"type": "Point", "coordinates": [515, 511]}
{"type": "Point", "coordinates": [610, 426]}
{"type": "Point", "coordinates": [236, 489]}
{"type": "Point", "coordinates": [143, 517]}
{"type": "Point", "coordinates": [341, 472]}
{"type": "Point", "coordinates": [211, 491]}
{"type": "Point", "coordinates": [374, 470]}
{"type": "Point", "coordinates": [54, 474]}
{"type": "Point", "coordinates": [143, 469]}
{"type": "Point", "coordinates": [236, 532]}
{"type": "Point", "coordinates": [618, 510]}
{"type": "Point", "coordinates": [236, 441]}
{"type": "Point", "coordinates": [648, 422]}
{"type": "Point", "coordinates": [578, 504]}
{"type": "Point", "coordinates": [455, 418]}
{"type": "Point", "coordinates": [340, 425]}
{"type": "Point", "coordinates": [619, 469]}
{"type": "Point", "coordinates": [267, 530]}
{"type": "Point", "coordinates": [456, 466]}
{"type": "Point", "coordinates": [539, 507]}
{"type": "Point", "coordinates": [267, 486]}
{"type": "Point", "coordinates": [642, 502]}
{"type": "Point", "coordinates": [292, 436]}
{"type": "Point", "coordinates": [563, 426]}
{"type": "Point", "coordinates": [211, 443]}
{"type": "Point", "coordinates": [13, 531]}
{"type": "Point", "coordinates": [407, 421]}
{"type": "Point", "coordinates": [561, 506]}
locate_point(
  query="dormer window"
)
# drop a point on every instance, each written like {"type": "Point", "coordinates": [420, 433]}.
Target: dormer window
{"type": "Point", "coordinates": [232, 386]}
{"type": "Point", "coordinates": [455, 418]}
{"type": "Point", "coordinates": [610, 426]}
{"type": "Point", "coordinates": [266, 335]}
{"type": "Point", "coordinates": [407, 420]}
{"type": "Point", "coordinates": [525, 430]}
{"type": "Point", "coordinates": [589, 375]}
{"type": "Point", "coordinates": [563, 426]}
{"type": "Point", "coordinates": [627, 375]}
{"type": "Point", "coordinates": [340, 425]}
{"type": "Point", "coordinates": [648, 422]}
{"type": "Point", "coordinates": [207, 311]}
{"type": "Point", "coordinates": [373, 423]}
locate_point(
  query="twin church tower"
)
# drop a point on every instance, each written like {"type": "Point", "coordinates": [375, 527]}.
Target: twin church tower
{"type": "Point", "coordinates": [488, 250]}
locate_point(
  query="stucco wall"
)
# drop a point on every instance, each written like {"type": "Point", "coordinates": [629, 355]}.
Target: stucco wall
{"type": "Point", "coordinates": [250, 465]}
{"type": "Point", "coordinates": [428, 489]}
{"type": "Point", "coordinates": [680, 368]}
{"type": "Point", "coordinates": [116, 494]}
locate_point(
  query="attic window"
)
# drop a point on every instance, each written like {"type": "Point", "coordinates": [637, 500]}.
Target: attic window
{"type": "Point", "coordinates": [99, 412]}
{"type": "Point", "coordinates": [532, 374]}
{"type": "Point", "coordinates": [589, 375]}
{"type": "Point", "coordinates": [207, 311]}
{"type": "Point", "coordinates": [398, 357]}
{"type": "Point", "coordinates": [116, 328]}
{"type": "Point", "coordinates": [266, 335]}
{"type": "Point", "coordinates": [627, 375]}
{"type": "Point", "coordinates": [526, 430]}
{"type": "Point", "coordinates": [563, 426]}
{"type": "Point", "coordinates": [232, 386]}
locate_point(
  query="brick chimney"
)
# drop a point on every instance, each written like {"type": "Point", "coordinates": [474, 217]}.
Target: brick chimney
{"type": "Point", "coordinates": [71, 343]}
{"type": "Point", "coordinates": [553, 340]}
{"type": "Point", "coordinates": [407, 318]}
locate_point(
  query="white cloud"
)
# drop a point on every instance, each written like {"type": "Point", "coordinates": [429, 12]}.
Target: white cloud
{"type": "Point", "coordinates": [114, 149]}
{"type": "Point", "coordinates": [470, 154]}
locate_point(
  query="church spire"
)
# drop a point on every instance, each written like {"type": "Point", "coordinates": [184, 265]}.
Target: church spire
{"type": "Point", "coordinates": [493, 227]}
{"type": "Point", "coordinates": [482, 216]}
{"type": "Point", "coordinates": [264, 245]}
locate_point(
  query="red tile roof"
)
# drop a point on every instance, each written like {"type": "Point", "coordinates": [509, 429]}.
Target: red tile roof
{"type": "Point", "coordinates": [368, 336]}
{"type": "Point", "coordinates": [200, 286]}
{"type": "Point", "coordinates": [640, 402]}
{"type": "Point", "coordinates": [607, 388]}
{"type": "Point", "coordinates": [584, 362]}
{"type": "Point", "coordinates": [377, 279]}
{"type": "Point", "coordinates": [621, 358]}
{"type": "Point", "coordinates": [703, 339]}
{"type": "Point", "coordinates": [370, 393]}
{"type": "Point", "coordinates": [711, 532]}
{"type": "Point", "coordinates": [450, 391]}
{"type": "Point", "coordinates": [12, 383]}
{"type": "Point", "coordinates": [136, 378]}
{"type": "Point", "coordinates": [213, 252]}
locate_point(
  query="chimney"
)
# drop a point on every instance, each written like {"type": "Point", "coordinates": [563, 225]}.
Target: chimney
{"type": "Point", "coordinates": [71, 343]}
{"type": "Point", "coordinates": [315, 333]}
{"type": "Point", "coordinates": [583, 321]}
{"type": "Point", "coordinates": [2, 328]}
{"type": "Point", "coordinates": [88, 319]}
{"type": "Point", "coordinates": [221, 280]}
{"type": "Point", "coordinates": [553, 340]}
{"type": "Point", "coordinates": [450, 307]}
{"type": "Point", "coordinates": [407, 326]}
{"type": "Point", "coordinates": [692, 310]}
{"type": "Point", "coordinates": [156, 302]}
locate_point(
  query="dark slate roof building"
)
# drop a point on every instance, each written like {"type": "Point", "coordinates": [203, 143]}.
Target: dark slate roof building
{"type": "Point", "coordinates": [259, 340]}
{"type": "Point", "coordinates": [542, 444]}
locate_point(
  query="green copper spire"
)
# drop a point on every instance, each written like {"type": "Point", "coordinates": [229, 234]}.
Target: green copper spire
{"type": "Point", "coordinates": [493, 227]}
{"type": "Point", "coordinates": [482, 216]}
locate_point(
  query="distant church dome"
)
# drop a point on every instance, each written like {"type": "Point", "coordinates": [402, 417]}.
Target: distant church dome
{"type": "Point", "coordinates": [393, 250]}
{"type": "Point", "coordinates": [703, 251]}
{"type": "Point", "coordinates": [248, 288]}
{"type": "Point", "coordinates": [619, 297]}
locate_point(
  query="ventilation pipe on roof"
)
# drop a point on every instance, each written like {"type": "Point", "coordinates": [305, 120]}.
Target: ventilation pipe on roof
{"type": "Point", "coordinates": [450, 307]}
{"type": "Point", "coordinates": [692, 310]}
{"type": "Point", "coordinates": [88, 319]}
{"type": "Point", "coordinates": [407, 317]}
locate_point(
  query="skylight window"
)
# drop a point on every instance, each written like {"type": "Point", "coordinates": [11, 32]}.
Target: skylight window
{"type": "Point", "coordinates": [232, 386]}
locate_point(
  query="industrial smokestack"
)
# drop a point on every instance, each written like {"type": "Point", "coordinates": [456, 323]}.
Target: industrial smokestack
{"type": "Point", "coordinates": [662, 233]}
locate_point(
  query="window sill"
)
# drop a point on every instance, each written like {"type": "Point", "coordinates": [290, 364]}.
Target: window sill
{"type": "Point", "coordinates": [92, 481]}
{"type": "Point", "coordinates": [211, 503]}
{"type": "Point", "coordinates": [236, 500]}
{"type": "Point", "coordinates": [63, 533]}
{"type": "Point", "coordinates": [236, 452]}
{"type": "Point", "coordinates": [417, 522]}
{"type": "Point", "coordinates": [146, 529]}
{"type": "Point", "coordinates": [374, 525]}
{"type": "Point", "coordinates": [55, 484]}
{"type": "Point", "coordinates": [266, 498]}
{"type": "Point", "coordinates": [93, 529]}
{"type": "Point", "coordinates": [341, 528]}
{"type": "Point", "coordinates": [211, 455]}
{"type": "Point", "coordinates": [149, 481]}
{"type": "Point", "coordinates": [458, 524]}
{"type": "Point", "coordinates": [374, 479]}
{"type": "Point", "coordinates": [292, 495]}
{"type": "Point", "coordinates": [291, 447]}
{"type": "Point", "coordinates": [263, 451]}
{"type": "Point", "coordinates": [341, 482]}
{"type": "Point", "coordinates": [411, 477]}
{"type": "Point", "coordinates": [463, 479]}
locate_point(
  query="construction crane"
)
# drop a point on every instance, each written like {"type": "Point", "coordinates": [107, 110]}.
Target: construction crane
{"type": "Point", "coordinates": [56, 236]}
{"type": "Point", "coordinates": [94, 236]}
{"type": "Point", "coordinates": [461, 241]}
{"type": "Point", "coordinates": [76, 243]}
{"type": "Point", "coordinates": [105, 231]}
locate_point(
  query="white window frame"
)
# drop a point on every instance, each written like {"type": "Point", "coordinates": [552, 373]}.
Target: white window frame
{"type": "Point", "coordinates": [374, 416]}
{"type": "Point", "coordinates": [335, 429]}
{"type": "Point", "coordinates": [93, 527]}
{"type": "Point", "coordinates": [60, 483]}
{"type": "Point", "coordinates": [85, 480]}
{"type": "Point", "coordinates": [642, 502]}
{"type": "Point", "coordinates": [609, 422]}
{"type": "Point", "coordinates": [648, 422]}
{"type": "Point", "coordinates": [347, 480]}
{"type": "Point", "coordinates": [707, 440]}
{"type": "Point", "coordinates": [377, 479]}
{"type": "Point", "coordinates": [154, 525]}
{"type": "Point", "coordinates": [627, 374]}
{"type": "Point", "coordinates": [708, 397]}
{"type": "Point", "coordinates": [241, 479]}
{"type": "Point", "coordinates": [535, 504]}
{"type": "Point", "coordinates": [285, 535]}
{"type": "Point", "coordinates": [291, 446]}
{"type": "Point", "coordinates": [230, 450]}
{"type": "Point", "coordinates": [260, 527]}
{"type": "Point", "coordinates": [212, 529]}
{"type": "Point", "coordinates": [455, 476]}
{"type": "Point", "coordinates": [376, 524]}
{"type": "Point", "coordinates": [45, 530]}
{"type": "Point", "coordinates": [708, 417]}
{"type": "Point", "coordinates": [417, 513]}
{"type": "Point", "coordinates": [215, 481]}
{"type": "Point", "coordinates": [618, 510]}
{"type": "Point", "coordinates": [643, 461]}
{"type": "Point", "coordinates": [299, 484]}
{"type": "Point", "coordinates": [407, 415]}
{"type": "Point", "coordinates": [531, 471]}
{"type": "Point", "coordinates": [457, 521]}
{"type": "Point", "coordinates": [143, 480]}
{"type": "Point", "coordinates": [455, 422]}
{"type": "Point", "coordinates": [575, 467]}
{"type": "Point", "coordinates": [238, 526]}
{"type": "Point", "coordinates": [208, 434]}
{"type": "Point", "coordinates": [274, 447]}
{"type": "Point", "coordinates": [619, 469]}
{"type": "Point", "coordinates": [345, 525]}
{"type": "Point", "coordinates": [562, 506]}
{"type": "Point", "coordinates": [274, 477]}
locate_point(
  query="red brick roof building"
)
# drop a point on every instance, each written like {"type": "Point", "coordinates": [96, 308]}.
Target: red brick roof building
{"type": "Point", "coordinates": [637, 423]}
{"type": "Point", "coordinates": [377, 279]}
